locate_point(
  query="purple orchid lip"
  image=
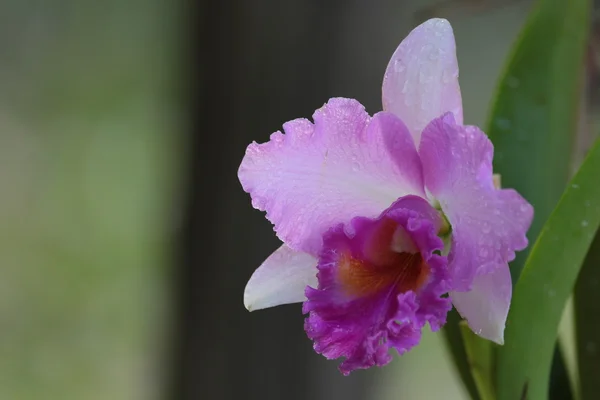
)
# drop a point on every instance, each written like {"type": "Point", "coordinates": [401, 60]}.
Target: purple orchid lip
{"type": "Point", "coordinates": [326, 185]}
{"type": "Point", "coordinates": [376, 288]}
{"type": "Point", "coordinates": [399, 274]}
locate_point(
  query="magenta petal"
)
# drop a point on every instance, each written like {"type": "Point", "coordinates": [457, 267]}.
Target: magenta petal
{"type": "Point", "coordinates": [362, 314]}
{"type": "Point", "coordinates": [318, 175]}
{"type": "Point", "coordinates": [488, 225]}
{"type": "Point", "coordinates": [421, 79]}
{"type": "Point", "coordinates": [485, 306]}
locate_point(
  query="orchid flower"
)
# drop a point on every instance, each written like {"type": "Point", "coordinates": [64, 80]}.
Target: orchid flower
{"type": "Point", "coordinates": [387, 221]}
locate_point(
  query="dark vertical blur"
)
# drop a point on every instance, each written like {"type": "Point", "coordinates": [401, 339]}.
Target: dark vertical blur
{"type": "Point", "coordinates": [256, 64]}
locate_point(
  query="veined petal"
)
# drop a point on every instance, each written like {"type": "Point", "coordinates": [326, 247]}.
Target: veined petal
{"type": "Point", "coordinates": [281, 279]}
{"type": "Point", "coordinates": [488, 225]}
{"type": "Point", "coordinates": [486, 305]}
{"type": "Point", "coordinates": [316, 176]}
{"type": "Point", "coordinates": [421, 79]}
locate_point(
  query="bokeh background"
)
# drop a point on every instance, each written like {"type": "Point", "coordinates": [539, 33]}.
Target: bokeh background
{"type": "Point", "coordinates": [125, 238]}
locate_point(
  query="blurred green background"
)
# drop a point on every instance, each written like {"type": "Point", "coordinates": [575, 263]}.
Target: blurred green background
{"type": "Point", "coordinates": [90, 129]}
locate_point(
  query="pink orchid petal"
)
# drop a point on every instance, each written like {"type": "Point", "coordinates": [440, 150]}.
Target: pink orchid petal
{"type": "Point", "coordinates": [281, 279]}
{"type": "Point", "coordinates": [316, 176]}
{"type": "Point", "coordinates": [488, 225]}
{"type": "Point", "coordinates": [421, 79]}
{"type": "Point", "coordinates": [486, 305]}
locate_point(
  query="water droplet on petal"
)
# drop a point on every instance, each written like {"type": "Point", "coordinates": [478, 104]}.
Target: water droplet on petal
{"type": "Point", "coordinates": [434, 55]}
{"type": "Point", "coordinates": [405, 87]}
{"type": "Point", "coordinates": [486, 228]}
{"type": "Point", "coordinates": [483, 252]}
{"type": "Point", "coordinates": [447, 76]}
{"type": "Point", "coordinates": [399, 66]}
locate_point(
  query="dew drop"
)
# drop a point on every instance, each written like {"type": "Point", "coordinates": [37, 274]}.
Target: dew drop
{"type": "Point", "coordinates": [447, 76]}
{"type": "Point", "coordinates": [399, 66]}
{"type": "Point", "coordinates": [584, 223]}
{"type": "Point", "coordinates": [512, 82]}
{"type": "Point", "coordinates": [549, 291]}
{"type": "Point", "coordinates": [486, 228]}
{"type": "Point", "coordinates": [355, 166]}
{"type": "Point", "coordinates": [503, 123]}
{"type": "Point", "coordinates": [405, 87]}
{"type": "Point", "coordinates": [575, 186]}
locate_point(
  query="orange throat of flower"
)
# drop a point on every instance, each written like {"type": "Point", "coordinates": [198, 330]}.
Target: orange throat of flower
{"type": "Point", "coordinates": [400, 273]}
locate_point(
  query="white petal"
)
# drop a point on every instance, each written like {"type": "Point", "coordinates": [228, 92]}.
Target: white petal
{"type": "Point", "coordinates": [281, 279]}
{"type": "Point", "coordinates": [421, 79]}
{"type": "Point", "coordinates": [486, 306]}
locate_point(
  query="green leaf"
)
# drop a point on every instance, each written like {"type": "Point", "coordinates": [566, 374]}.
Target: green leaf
{"type": "Point", "coordinates": [587, 312]}
{"type": "Point", "coordinates": [534, 116]}
{"type": "Point", "coordinates": [545, 285]}
{"type": "Point", "coordinates": [480, 355]}
{"type": "Point", "coordinates": [456, 346]}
